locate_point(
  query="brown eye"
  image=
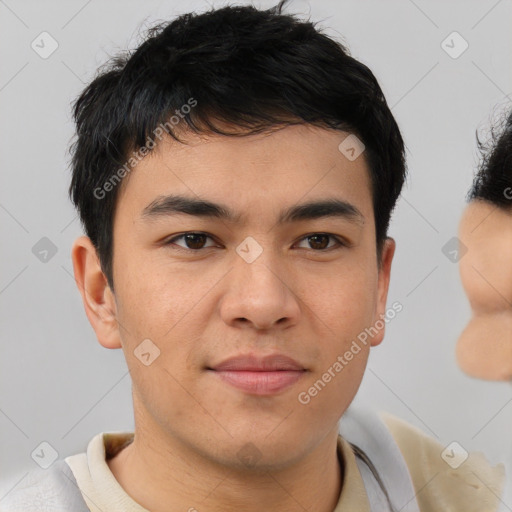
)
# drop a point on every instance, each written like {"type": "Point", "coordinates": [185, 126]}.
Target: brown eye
{"type": "Point", "coordinates": [320, 241]}
{"type": "Point", "coordinates": [193, 241]}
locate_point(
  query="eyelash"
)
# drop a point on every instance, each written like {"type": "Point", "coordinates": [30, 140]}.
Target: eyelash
{"type": "Point", "coordinates": [170, 241]}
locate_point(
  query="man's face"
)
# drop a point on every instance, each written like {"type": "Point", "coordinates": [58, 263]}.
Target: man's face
{"type": "Point", "coordinates": [484, 348]}
{"type": "Point", "coordinates": [252, 286]}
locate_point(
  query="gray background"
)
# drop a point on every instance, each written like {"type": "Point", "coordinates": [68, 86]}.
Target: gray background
{"type": "Point", "coordinates": [59, 385]}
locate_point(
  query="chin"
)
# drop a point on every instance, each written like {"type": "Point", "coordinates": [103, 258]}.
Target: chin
{"type": "Point", "coordinates": [484, 349]}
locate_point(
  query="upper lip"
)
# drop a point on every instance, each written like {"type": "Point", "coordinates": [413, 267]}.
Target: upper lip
{"type": "Point", "coordinates": [254, 363]}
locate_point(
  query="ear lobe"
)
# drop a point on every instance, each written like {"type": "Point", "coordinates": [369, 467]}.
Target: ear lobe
{"type": "Point", "coordinates": [388, 251]}
{"type": "Point", "coordinates": [98, 299]}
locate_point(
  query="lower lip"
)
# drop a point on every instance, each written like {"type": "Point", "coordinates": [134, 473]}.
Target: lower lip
{"type": "Point", "coordinates": [261, 383]}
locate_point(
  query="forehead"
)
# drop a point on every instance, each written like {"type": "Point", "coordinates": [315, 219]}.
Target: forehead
{"type": "Point", "coordinates": [254, 174]}
{"type": "Point", "coordinates": [483, 221]}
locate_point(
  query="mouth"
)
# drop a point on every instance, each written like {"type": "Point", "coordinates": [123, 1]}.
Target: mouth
{"type": "Point", "coordinates": [259, 375]}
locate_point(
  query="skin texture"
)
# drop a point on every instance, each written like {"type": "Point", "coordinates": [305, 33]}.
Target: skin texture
{"type": "Point", "coordinates": [201, 308]}
{"type": "Point", "coordinates": [484, 348]}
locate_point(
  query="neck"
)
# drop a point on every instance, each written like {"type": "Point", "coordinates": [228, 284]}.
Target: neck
{"type": "Point", "coordinates": [162, 474]}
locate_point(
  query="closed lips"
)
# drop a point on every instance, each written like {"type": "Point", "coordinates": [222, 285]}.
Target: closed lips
{"type": "Point", "coordinates": [251, 363]}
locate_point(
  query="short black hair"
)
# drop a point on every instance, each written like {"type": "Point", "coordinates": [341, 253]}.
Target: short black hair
{"type": "Point", "coordinates": [493, 179]}
{"type": "Point", "coordinates": [248, 68]}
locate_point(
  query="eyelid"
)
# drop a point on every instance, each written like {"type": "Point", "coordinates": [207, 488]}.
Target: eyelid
{"type": "Point", "coordinates": [340, 241]}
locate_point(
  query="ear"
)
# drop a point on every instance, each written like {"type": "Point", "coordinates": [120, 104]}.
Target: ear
{"type": "Point", "coordinates": [98, 298]}
{"type": "Point", "coordinates": [388, 251]}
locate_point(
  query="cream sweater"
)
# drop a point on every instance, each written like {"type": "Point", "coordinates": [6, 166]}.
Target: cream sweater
{"type": "Point", "coordinates": [475, 486]}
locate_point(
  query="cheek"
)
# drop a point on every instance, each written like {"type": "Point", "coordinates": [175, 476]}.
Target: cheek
{"type": "Point", "coordinates": [156, 297]}
{"type": "Point", "coordinates": [164, 304]}
{"type": "Point", "coordinates": [332, 387]}
{"type": "Point", "coordinates": [345, 300]}
{"type": "Point", "coordinates": [159, 307]}
{"type": "Point", "coordinates": [486, 274]}
{"type": "Point", "coordinates": [343, 309]}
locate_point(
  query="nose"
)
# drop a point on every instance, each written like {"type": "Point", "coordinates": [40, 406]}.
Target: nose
{"type": "Point", "coordinates": [260, 295]}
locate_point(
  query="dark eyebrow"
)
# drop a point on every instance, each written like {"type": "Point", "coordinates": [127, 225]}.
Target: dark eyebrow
{"type": "Point", "coordinates": [164, 206]}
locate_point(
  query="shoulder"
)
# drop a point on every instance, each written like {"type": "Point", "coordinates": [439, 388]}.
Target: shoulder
{"type": "Point", "coordinates": [446, 477]}
{"type": "Point", "coordinates": [45, 490]}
